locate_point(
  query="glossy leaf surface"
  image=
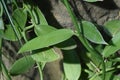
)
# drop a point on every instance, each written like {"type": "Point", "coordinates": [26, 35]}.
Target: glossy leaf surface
{"type": "Point", "coordinates": [47, 40]}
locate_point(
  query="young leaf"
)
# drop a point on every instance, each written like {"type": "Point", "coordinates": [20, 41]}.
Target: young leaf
{"type": "Point", "coordinates": [19, 18]}
{"type": "Point", "coordinates": [112, 27]}
{"type": "Point", "coordinates": [113, 47]}
{"type": "Point", "coordinates": [47, 55]}
{"type": "Point", "coordinates": [43, 29]}
{"type": "Point", "coordinates": [22, 65]}
{"type": "Point", "coordinates": [47, 40]}
{"type": "Point", "coordinates": [72, 67]}
{"type": "Point", "coordinates": [91, 33]}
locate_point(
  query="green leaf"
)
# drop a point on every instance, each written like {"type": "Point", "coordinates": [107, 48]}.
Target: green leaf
{"type": "Point", "coordinates": [67, 45]}
{"type": "Point", "coordinates": [47, 55]}
{"type": "Point", "coordinates": [94, 60]}
{"type": "Point", "coordinates": [91, 33]}
{"type": "Point", "coordinates": [95, 77]}
{"type": "Point", "coordinates": [47, 40]}
{"type": "Point", "coordinates": [116, 77]}
{"type": "Point", "coordinates": [43, 29]}
{"type": "Point", "coordinates": [115, 60]}
{"type": "Point", "coordinates": [109, 75]}
{"type": "Point", "coordinates": [10, 34]}
{"type": "Point", "coordinates": [46, 29]}
{"type": "Point", "coordinates": [92, 0]}
{"type": "Point", "coordinates": [1, 24]}
{"type": "Point", "coordinates": [113, 47]}
{"type": "Point", "coordinates": [19, 18]}
{"type": "Point", "coordinates": [72, 67]}
{"type": "Point", "coordinates": [40, 17]}
{"type": "Point", "coordinates": [1, 33]}
{"type": "Point", "coordinates": [112, 27]}
{"type": "Point", "coordinates": [22, 65]}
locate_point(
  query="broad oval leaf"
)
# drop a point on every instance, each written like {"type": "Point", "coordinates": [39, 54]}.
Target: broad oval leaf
{"type": "Point", "coordinates": [47, 55]}
{"type": "Point", "coordinates": [92, 0]}
{"type": "Point", "coordinates": [71, 64]}
{"type": "Point", "coordinates": [91, 33]}
{"type": "Point", "coordinates": [22, 65]}
{"type": "Point", "coordinates": [47, 40]}
{"type": "Point", "coordinates": [19, 18]}
{"type": "Point", "coordinates": [113, 47]}
{"type": "Point", "coordinates": [112, 27]}
{"type": "Point", "coordinates": [43, 29]}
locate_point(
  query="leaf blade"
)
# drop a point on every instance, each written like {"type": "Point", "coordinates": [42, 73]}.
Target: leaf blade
{"type": "Point", "coordinates": [71, 65]}
{"type": "Point", "coordinates": [50, 39]}
{"type": "Point", "coordinates": [21, 65]}
{"type": "Point", "coordinates": [91, 33]}
{"type": "Point", "coordinates": [47, 55]}
{"type": "Point", "coordinates": [112, 27]}
{"type": "Point", "coordinates": [113, 47]}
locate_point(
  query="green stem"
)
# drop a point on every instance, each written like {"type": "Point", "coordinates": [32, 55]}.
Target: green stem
{"type": "Point", "coordinates": [5, 71]}
{"type": "Point", "coordinates": [98, 70]}
{"type": "Point", "coordinates": [86, 44]}
{"type": "Point", "coordinates": [32, 13]}
{"type": "Point", "coordinates": [39, 65]}
{"type": "Point", "coordinates": [40, 70]}
{"type": "Point", "coordinates": [29, 27]}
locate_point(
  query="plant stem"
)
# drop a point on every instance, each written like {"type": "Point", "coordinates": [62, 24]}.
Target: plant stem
{"type": "Point", "coordinates": [39, 65]}
{"type": "Point", "coordinates": [29, 27]}
{"type": "Point", "coordinates": [40, 70]}
{"type": "Point", "coordinates": [5, 71]}
{"type": "Point", "coordinates": [81, 37]}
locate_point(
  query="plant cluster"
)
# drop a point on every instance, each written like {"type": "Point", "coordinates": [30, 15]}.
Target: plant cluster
{"type": "Point", "coordinates": [97, 60]}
